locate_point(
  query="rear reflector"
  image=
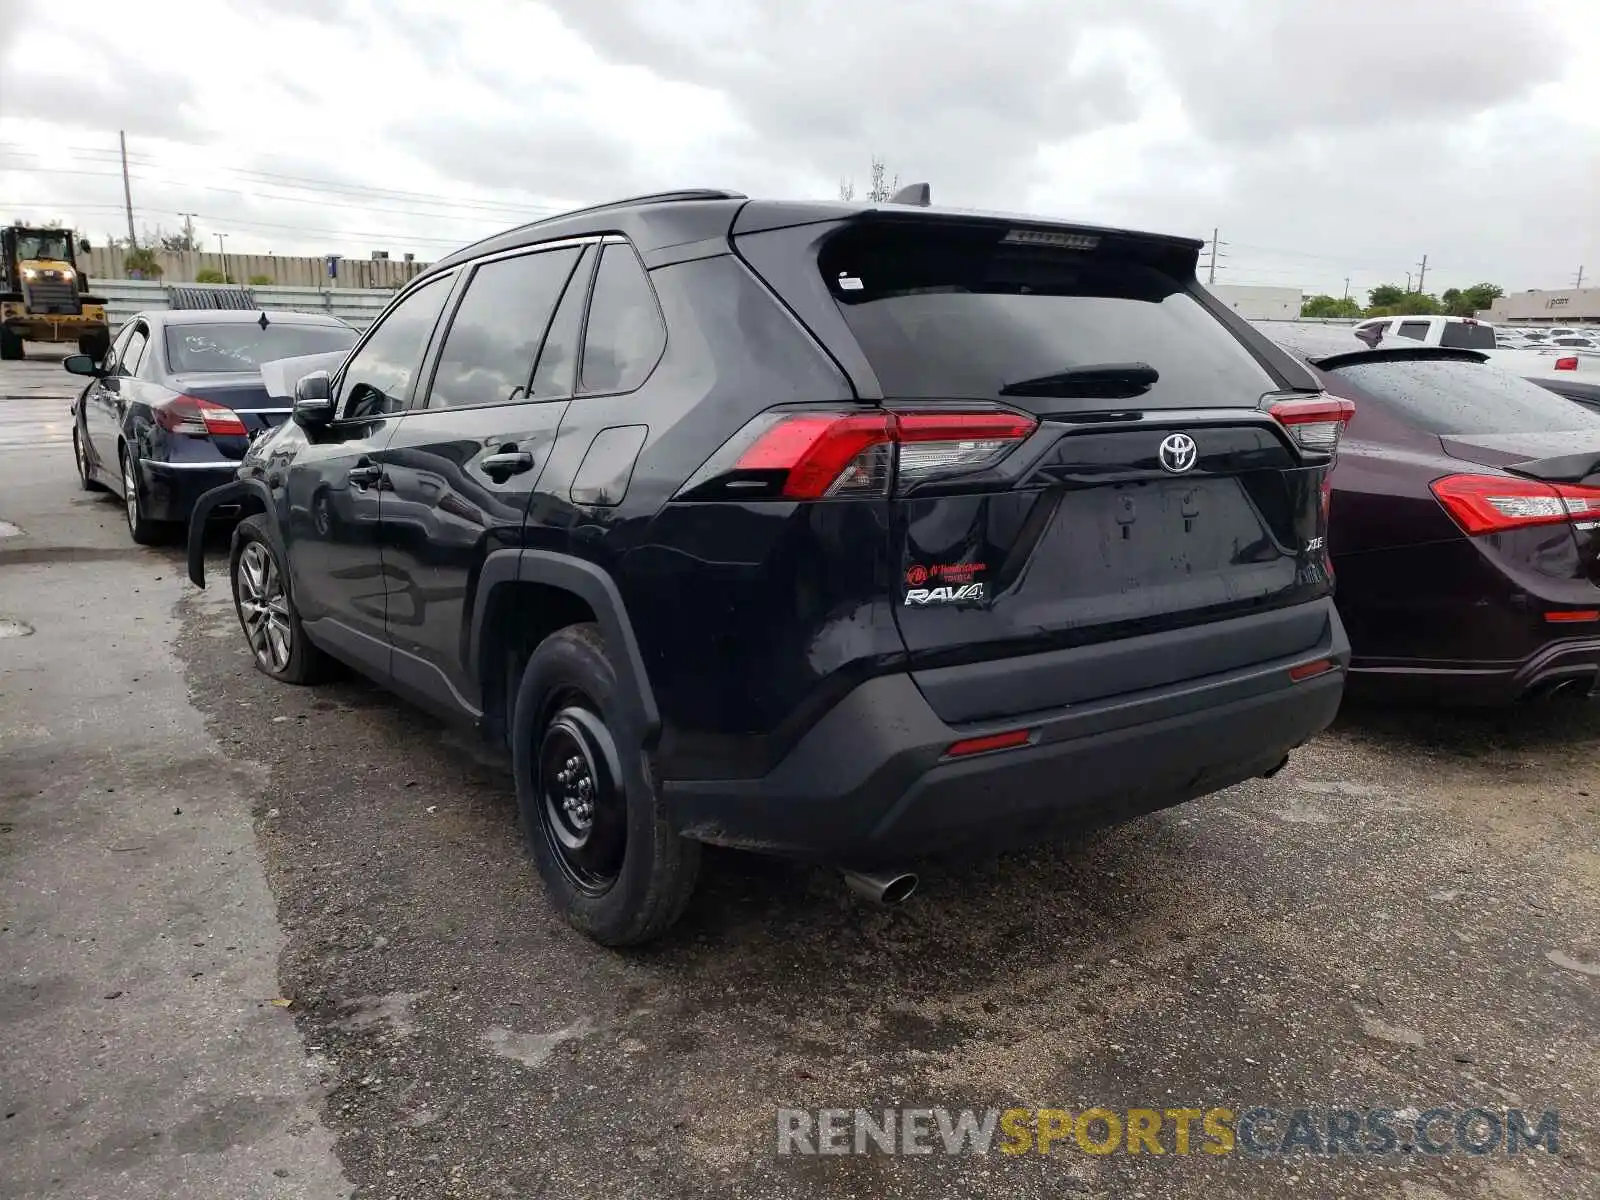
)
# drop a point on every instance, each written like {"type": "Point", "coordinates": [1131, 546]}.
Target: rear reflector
{"type": "Point", "coordinates": [1495, 503]}
{"type": "Point", "coordinates": [1309, 670]}
{"type": "Point", "coordinates": [993, 741]}
{"type": "Point", "coordinates": [1567, 362]}
{"type": "Point", "coordinates": [1315, 423]}
{"type": "Point", "coordinates": [1573, 615]}
{"type": "Point", "coordinates": [854, 454]}
{"type": "Point", "coordinates": [188, 414]}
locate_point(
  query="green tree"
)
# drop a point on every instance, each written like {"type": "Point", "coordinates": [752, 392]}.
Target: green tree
{"type": "Point", "coordinates": [1414, 304]}
{"type": "Point", "coordinates": [1481, 296]}
{"type": "Point", "coordinates": [141, 263]}
{"type": "Point", "coordinates": [260, 280]}
{"type": "Point", "coordinates": [1385, 295]}
{"type": "Point", "coordinates": [1329, 306]}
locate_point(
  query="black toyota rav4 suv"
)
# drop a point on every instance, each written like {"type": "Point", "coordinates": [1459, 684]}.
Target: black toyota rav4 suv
{"type": "Point", "coordinates": [848, 532]}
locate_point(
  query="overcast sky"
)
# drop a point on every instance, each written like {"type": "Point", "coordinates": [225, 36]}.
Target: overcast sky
{"type": "Point", "coordinates": [1324, 139]}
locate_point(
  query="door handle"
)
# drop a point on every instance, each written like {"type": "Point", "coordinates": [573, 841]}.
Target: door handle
{"type": "Point", "coordinates": [507, 463]}
{"type": "Point", "coordinates": [362, 476]}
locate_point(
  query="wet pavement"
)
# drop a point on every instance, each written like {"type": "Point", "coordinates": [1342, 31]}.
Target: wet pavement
{"type": "Point", "coordinates": [1405, 918]}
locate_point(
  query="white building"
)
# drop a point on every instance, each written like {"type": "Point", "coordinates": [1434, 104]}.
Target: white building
{"type": "Point", "coordinates": [1259, 303]}
{"type": "Point", "coordinates": [1568, 307]}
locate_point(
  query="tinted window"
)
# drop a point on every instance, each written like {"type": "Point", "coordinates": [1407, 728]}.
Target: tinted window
{"type": "Point", "coordinates": [625, 336]}
{"type": "Point", "coordinates": [377, 379]}
{"type": "Point", "coordinates": [961, 314]}
{"type": "Point", "coordinates": [1572, 341]}
{"type": "Point", "coordinates": [1467, 397]}
{"type": "Point", "coordinates": [495, 333]}
{"type": "Point", "coordinates": [558, 359]}
{"type": "Point", "coordinates": [113, 359]}
{"type": "Point", "coordinates": [1467, 337]}
{"type": "Point", "coordinates": [133, 352]}
{"type": "Point", "coordinates": [245, 345]}
{"type": "Point", "coordinates": [1417, 331]}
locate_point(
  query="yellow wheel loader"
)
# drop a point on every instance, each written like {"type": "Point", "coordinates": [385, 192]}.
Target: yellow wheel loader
{"type": "Point", "coordinates": [43, 295]}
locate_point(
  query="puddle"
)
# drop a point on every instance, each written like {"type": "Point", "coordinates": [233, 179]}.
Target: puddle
{"type": "Point", "coordinates": [7, 529]}
{"type": "Point", "coordinates": [14, 629]}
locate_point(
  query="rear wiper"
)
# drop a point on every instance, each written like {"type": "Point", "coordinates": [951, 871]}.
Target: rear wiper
{"type": "Point", "coordinates": [1101, 381]}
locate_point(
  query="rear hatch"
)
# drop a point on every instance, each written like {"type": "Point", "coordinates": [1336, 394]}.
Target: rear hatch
{"type": "Point", "coordinates": [1148, 491]}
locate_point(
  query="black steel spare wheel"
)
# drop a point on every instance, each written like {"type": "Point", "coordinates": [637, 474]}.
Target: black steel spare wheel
{"type": "Point", "coordinates": [583, 811]}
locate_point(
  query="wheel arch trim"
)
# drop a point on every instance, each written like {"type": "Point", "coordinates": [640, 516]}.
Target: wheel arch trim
{"type": "Point", "coordinates": [232, 493]}
{"type": "Point", "coordinates": [592, 585]}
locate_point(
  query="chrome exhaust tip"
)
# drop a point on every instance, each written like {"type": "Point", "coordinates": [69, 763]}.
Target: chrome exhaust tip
{"type": "Point", "coordinates": [886, 889]}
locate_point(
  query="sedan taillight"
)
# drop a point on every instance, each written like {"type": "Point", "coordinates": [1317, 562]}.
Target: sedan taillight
{"type": "Point", "coordinates": [1496, 503]}
{"type": "Point", "coordinates": [198, 418]}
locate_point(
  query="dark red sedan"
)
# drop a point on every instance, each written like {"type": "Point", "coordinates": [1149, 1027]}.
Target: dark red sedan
{"type": "Point", "coordinates": [1465, 524]}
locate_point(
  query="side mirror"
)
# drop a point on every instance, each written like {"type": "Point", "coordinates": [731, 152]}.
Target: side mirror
{"type": "Point", "coordinates": [313, 401]}
{"type": "Point", "coordinates": [82, 364]}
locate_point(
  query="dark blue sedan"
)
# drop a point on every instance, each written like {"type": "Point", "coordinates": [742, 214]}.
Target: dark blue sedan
{"type": "Point", "coordinates": [176, 401]}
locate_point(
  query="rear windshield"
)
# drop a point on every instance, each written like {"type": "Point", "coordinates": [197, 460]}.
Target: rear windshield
{"type": "Point", "coordinates": [960, 314]}
{"type": "Point", "coordinates": [1467, 337]}
{"type": "Point", "coordinates": [245, 345]}
{"type": "Point", "coordinates": [1467, 397]}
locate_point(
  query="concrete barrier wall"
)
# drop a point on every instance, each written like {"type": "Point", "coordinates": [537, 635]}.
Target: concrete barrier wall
{"type": "Point", "coordinates": [124, 297]}
{"type": "Point", "coordinates": [105, 263]}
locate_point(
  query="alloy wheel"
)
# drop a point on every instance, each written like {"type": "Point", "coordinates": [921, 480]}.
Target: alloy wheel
{"type": "Point", "coordinates": [130, 493]}
{"type": "Point", "coordinates": [264, 607]}
{"type": "Point", "coordinates": [582, 808]}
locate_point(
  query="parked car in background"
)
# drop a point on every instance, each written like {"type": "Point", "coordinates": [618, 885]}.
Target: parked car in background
{"type": "Point", "coordinates": [173, 405]}
{"type": "Point", "coordinates": [1466, 333]}
{"type": "Point", "coordinates": [1465, 524]}
{"type": "Point", "coordinates": [842, 531]}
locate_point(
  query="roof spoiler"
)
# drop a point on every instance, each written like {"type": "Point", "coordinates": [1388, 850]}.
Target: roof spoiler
{"type": "Point", "coordinates": [919, 194]}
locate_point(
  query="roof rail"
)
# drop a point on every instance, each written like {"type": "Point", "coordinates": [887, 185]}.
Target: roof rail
{"type": "Point", "coordinates": [673, 197]}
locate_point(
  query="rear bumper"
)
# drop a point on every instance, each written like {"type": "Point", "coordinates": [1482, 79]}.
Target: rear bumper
{"type": "Point", "coordinates": [1574, 662]}
{"type": "Point", "coordinates": [870, 784]}
{"type": "Point", "coordinates": [171, 489]}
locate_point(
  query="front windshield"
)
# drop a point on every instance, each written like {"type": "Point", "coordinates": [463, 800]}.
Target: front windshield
{"type": "Point", "coordinates": [44, 244]}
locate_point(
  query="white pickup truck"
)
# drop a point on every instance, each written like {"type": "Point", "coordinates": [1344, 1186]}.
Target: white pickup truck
{"type": "Point", "coordinates": [1467, 333]}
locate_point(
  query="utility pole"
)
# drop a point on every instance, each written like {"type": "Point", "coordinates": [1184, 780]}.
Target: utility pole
{"type": "Point", "coordinates": [1346, 287]}
{"type": "Point", "coordinates": [1578, 283]}
{"type": "Point", "coordinates": [1211, 271]}
{"type": "Point", "coordinates": [224, 251]}
{"type": "Point", "coordinates": [1408, 281]}
{"type": "Point", "coordinates": [127, 192]}
{"type": "Point", "coordinates": [191, 257]}
{"type": "Point", "coordinates": [1422, 268]}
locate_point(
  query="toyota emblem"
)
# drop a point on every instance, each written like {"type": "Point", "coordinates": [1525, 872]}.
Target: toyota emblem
{"type": "Point", "coordinates": [1178, 453]}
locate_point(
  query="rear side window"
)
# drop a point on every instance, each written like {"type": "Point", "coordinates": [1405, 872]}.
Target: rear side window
{"type": "Point", "coordinates": [942, 313]}
{"type": "Point", "coordinates": [488, 353]}
{"type": "Point", "coordinates": [1467, 337]}
{"type": "Point", "coordinates": [625, 335]}
{"type": "Point", "coordinates": [1417, 331]}
{"type": "Point", "coordinates": [1466, 397]}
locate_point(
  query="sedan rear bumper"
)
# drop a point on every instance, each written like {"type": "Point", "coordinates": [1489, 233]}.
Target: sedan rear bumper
{"type": "Point", "coordinates": [171, 489]}
{"type": "Point", "coordinates": [1570, 663]}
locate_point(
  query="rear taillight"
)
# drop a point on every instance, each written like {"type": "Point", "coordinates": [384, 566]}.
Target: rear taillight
{"type": "Point", "coordinates": [1495, 503]}
{"type": "Point", "coordinates": [1567, 362]}
{"type": "Point", "coordinates": [822, 455]}
{"type": "Point", "coordinates": [191, 415]}
{"type": "Point", "coordinates": [1315, 423]}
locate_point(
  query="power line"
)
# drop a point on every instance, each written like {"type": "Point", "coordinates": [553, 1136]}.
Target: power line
{"type": "Point", "coordinates": [298, 182]}
{"type": "Point", "coordinates": [391, 235]}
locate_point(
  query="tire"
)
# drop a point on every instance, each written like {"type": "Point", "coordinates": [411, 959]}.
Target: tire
{"type": "Point", "coordinates": [272, 629]}
{"type": "Point", "coordinates": [80, 460]}
{"type": "Point", "coordinates": [569, 718]}
{"type": "Point", "coordinates": [10, 346]}
{"type": "Point", "coordinates": [141, 528]}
